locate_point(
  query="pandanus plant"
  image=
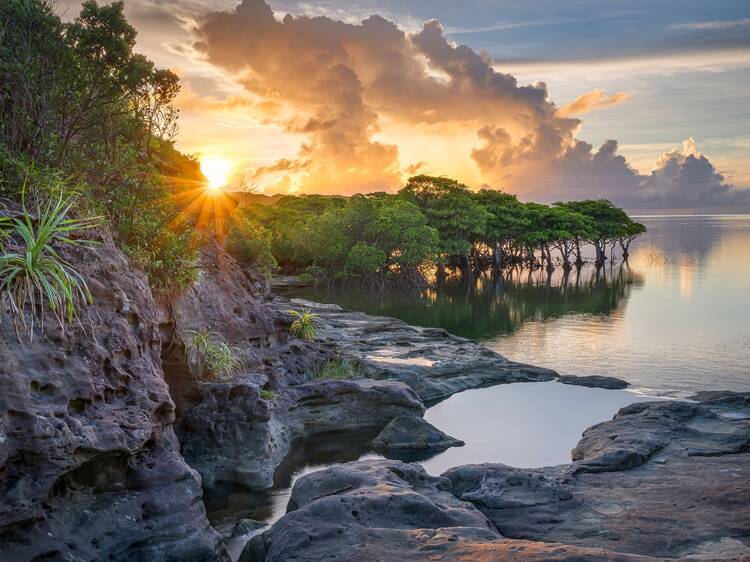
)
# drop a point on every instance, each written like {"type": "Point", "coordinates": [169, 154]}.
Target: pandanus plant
{"type": "Point", "coordinates": [304, 325]}
{"type": "Point", "coordinates": [34, 277]}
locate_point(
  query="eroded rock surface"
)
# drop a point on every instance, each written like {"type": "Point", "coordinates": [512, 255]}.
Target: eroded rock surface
{"type": "Point", "coordinates": [233, 435]}
{"type": "Point", "coordinates": [669, 479]}
{"type": "Point", "coordinates": [389, 510]}
{"type": "Point", "coordinates": [433, 362]}
{"type": "Point", "coordinates": [90, 467]}
{"type": "Point", "coordinates": [411, 433]}
{"type": "Point", "coordinates": [230, 300]}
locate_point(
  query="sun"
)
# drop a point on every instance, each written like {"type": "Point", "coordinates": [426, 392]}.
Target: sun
{"type": "Point", "coordinates": [216, 169]}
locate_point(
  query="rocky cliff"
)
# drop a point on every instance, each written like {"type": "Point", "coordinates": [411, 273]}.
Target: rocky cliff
{"type": "Point", "coordinates": [90, 468]}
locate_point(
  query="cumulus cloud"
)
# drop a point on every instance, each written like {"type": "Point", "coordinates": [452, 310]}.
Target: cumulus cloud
{"type": "Point", "coordinates": [682, 178]}
{"type": "Point", "coordinates": [189, 100]}
{"type": "Point", "coordinates": [337, 82]}
{"type": "Point", "coordinates": [305, 63]}
{"type": "Point", "coordinates": [338, 78]}
{"type": "Point", "coordinates": [591, 101]}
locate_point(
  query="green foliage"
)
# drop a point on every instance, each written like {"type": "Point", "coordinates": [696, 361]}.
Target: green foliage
{"type": "Point", "coordinates": [433, 221]}
{"type": "Point", "coordinates": [304, 325]}
{"type": "Point", "coordinates": [250, 243]}
{"type": "Point", "coordinates": [306, 277]}
{"type": "Point", "coordinates": [34, 276]}
{"type": "Point", "coordinates": [168, 259]}
{"type": "Point", "coordinates": [209, 357]}
{"type": "Point", "coordinates": [340, 369]}
{"type": "Point", "coordinates": [451, 208]}
{"type": "Point", "coordinates": [76, 101]}
{"type": "Point", "coordinates": [267, 394]}
{"type": "Point", "coordinates": [363, 237]}
{"type": "Point", "coordinates": [364, 259]}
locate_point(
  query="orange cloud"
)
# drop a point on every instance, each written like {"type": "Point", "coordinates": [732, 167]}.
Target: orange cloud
{"type": "Point", "coordinates": [591, 101]}
{"type": "Point", "coordinates": [189, 100]}
{"type": "Point", "coordinates": [344, 87]}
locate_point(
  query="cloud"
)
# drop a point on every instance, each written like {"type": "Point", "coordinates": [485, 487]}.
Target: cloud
{"type": "Point", "coordinates": [412, 169]}
{"type": "Point", "coordinates": [338, 78]}
{"type": "Point", "coordinates": [335, 84]}
{"type": "Point", "coordinates": [591, 101]}
{"type": "Point", "coordinates": [306, 64]}
{"type": "Point", "coordinates": [682, 178]}
{"type": "Point", "coordinates": [282, 165]}
{"type": "Point", "coordinates": [713, 24]}
{"type": "Point", "coordinates": [189, 100]}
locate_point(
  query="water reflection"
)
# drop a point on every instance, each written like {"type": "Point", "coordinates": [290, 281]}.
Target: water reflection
{"type": "Point", "coordinates": [675, 319]}
{"type": "Point", "coordinates": [498, 303]}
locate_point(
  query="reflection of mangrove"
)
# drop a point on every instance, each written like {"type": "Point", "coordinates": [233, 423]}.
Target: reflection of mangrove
{"type": "Point", "coordinates": [498, 303]}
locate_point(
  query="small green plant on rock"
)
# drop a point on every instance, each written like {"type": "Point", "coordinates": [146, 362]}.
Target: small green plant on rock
{"type": "Point", "coordinates": [34, 277]}
{"type": "Point", "coordinates": [340, 369]}
{"type": "Point", "coordinates": [304, 325]}
{"type": "Point", "coordinates": [209, 357]}
{"type": "Point", "coordinates": [267, 394]}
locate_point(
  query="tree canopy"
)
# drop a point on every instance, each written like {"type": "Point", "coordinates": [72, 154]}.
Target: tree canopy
{"type": "Point", "coordinates": [434, 222]}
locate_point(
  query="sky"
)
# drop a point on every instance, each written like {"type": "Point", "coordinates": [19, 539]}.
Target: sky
{"type": "Point", "coordinates": [644, 102]}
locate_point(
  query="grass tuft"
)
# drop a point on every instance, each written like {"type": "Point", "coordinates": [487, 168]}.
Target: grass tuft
{"type": "Point", "coordinates": [340, 369]}
{"type": "Point", "coordinates": [210, 358]}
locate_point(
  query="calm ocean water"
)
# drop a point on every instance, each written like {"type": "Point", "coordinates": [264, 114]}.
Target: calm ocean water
{"type": "Point", "coordinates": [673, 320]}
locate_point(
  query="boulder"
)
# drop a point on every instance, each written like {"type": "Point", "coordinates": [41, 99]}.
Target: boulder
{"type": "Point", "coordinates": [666, 479]}
{"type": "Point", "coordinates": [413, 433]}
{"type": "Point", "coordinates": [231, 435]}
{"type": "Point", "coordinates": [389, 510]}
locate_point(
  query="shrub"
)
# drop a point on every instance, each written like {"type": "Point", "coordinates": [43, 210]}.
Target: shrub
{"type": "Point", "coordinates": [304, 326]}
{"type": "Point", "coordinates": [33, 274]}
{"type": "Point", "coordinates": [340, 369]}
{"type": "Point", "coordinates": [209, 356]}
{"type": "Point", "coordinates": [250, 244]}
{"type": "Point", "coordinates": [166, 254]}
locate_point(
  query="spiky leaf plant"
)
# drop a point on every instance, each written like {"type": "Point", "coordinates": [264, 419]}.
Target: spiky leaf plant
{"type": "Point", "coordinates": [34, 277]}
{"type": "Point", "coordinates": [209, 356]}
{"type": "Point", "coordinates": [304, 325]}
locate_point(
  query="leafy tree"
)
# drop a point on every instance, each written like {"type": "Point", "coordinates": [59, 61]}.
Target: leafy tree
{"type": "Point", "coordinates": [451, 209]}
{"type": "Point", "coordinates": [60, 83]}
{"type": "Point", "coordinates": [364, 260]}
{"type": "Point", "coordinates": [608, 223]}
{"type": "Point", "coordinates": [505, 223]}
{"type": "Point", "coordinates": [632, 231]}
